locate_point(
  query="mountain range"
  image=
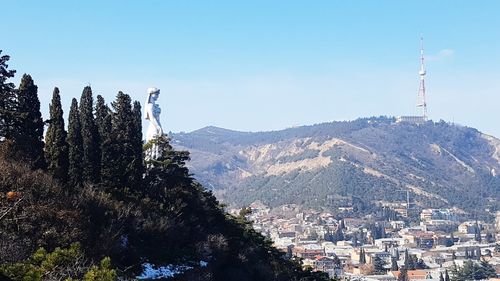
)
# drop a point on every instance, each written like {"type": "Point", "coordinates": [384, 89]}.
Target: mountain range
{"type": "Point", "coordinates": [364, 163]}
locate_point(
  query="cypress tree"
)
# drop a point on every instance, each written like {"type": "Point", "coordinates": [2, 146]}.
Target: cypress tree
{"type": "Point", "coordinates": [407, 259]}
{"type": "Point", "coordinates": [487, 269]}
{"type": "Point", "coordinates": [362, 256]}
{"type": "Point", "coordinates": [56, 147]}
{"type": "Point", "coordinates": [478, 237]}
{"type": "Point", "coordinates": [410, 261]}
{"type": "Point", "coordinates": [108, 155]}
{"type": "Point", "coordinates": [104, 127]}
{"type": "Point", "coordinates": [394, 264]}
{"type": "Point", "coordinates": [446, 275]}
{"type": "Point", "coordinates": [28, 123]}
{"type": "Point", "coordinates": [403, 274]}
{"type": "Point", "coordinates": [75, 145]}
{"type": "Point", "coordinates": [101, 111]}
{"type": "Point", "coordinates": [378, 265]}
{"type": "Point", "coordinates": [489, 238]}
{"type": "Point", "coordinates": [136, 139]}
{"type": "Point", "coordinates": [90, 137]}
{"type": "Point", "coordinates": [412, 264]}
{"type": "Point", "coordinates": [441, 278]}
{"type": "Point", "coordinates": [122, 135]}
{"type": "Point", "coordinates": [6, 97]}
{"type": "Point", "coordinates": [339, 234]}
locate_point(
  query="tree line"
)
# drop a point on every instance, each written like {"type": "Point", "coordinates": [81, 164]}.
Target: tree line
{"type": "Point", "coordinates": [86, 151]}
{"type": "Point", "coordinates": [82, 203]}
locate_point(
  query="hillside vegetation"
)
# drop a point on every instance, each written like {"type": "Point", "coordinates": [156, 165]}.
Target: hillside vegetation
{"type": "Point", "coordinates": [83, 204]}
{"type": "Point", "coordinates": [354, 163]}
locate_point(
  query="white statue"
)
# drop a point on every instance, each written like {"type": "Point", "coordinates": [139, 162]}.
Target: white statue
{"type": "Point", "coordinates": [152, 113]}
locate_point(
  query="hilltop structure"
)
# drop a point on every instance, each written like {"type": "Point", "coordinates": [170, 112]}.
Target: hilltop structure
{"type": "Point", "coordinates": [421, 99]}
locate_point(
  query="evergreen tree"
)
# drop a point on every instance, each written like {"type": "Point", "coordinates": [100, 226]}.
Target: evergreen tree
{"type": "Point", "coordinates": [378, 265]}
{"type": "Point", "coordinates": [407, 259]}
{"type": "Point", "coordinates": [75, 145]}
{"type": "Point", "coordinates": [136, 142]}
{"type": "Point", "coordinates": [394, 264]}
{"type": "Point", "coordinates": [487, 269]}
{"type": "Point", "coordinates": [91, 150]}
{"type": "Point", "coordinates": [6, 98]}
{"type": "Point", "coordinates": [410, 261]}
{"type": "Point", "coordinates": [490, 238]}
{"type": "Point", "coordinates": [497, 248]}
{"type": "Point", "coordinates": [441, 278]}
{"type": "Point", "coordinates": [104, 128]}
{"type": "Point", "coordinates": [56, 147]}
{"type": "Point", "coordinates": [397, 254]}
{"type": "Point", "coordinates": [337, 262]}
{"type": "Point", "coordinates": [446, 275]}
{"type": "Point", "coordinates": [453, 255]}
{"type": "Point", "coordinates": [28, 124]}
{"type": "Point", "coordinates": [124, 123]}
{"type": "Point", "coordinates": [473, 271]}
{"type": "Point", "coordinates": [477, 232]}
{"type": "Point", "coordinates": [412, 264]}
{"type": "Point", "coordinates": [420, 264]}
{"type": "Point", "coordinates": [339, 234]}
{"type": "Point", "coordinates": [362, 256]}
{"type": "Point", "coordinates": [101, 110]}
{"type": "Point", "coordinates": [403, 274]}
{"type": "Point", "coordinates": [108, 152]}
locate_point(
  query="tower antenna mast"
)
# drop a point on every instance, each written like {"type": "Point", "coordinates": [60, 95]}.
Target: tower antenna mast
{"type": "Point", "coordinates": [421, 102]}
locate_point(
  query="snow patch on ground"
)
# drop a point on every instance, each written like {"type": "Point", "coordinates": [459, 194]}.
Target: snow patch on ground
{"type": "Point", "coordinates": [168, 271]}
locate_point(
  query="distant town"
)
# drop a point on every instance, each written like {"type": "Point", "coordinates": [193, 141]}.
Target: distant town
{"type": "Point", "coordinates": [438, 246]}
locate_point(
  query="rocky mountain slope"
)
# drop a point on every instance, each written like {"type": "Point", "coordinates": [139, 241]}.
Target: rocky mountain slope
{"type": "Point", "coordinates": [358, 163]}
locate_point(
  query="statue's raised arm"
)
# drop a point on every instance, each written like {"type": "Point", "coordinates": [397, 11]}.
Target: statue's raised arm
{"type": "Point", "coordinates": [152, 113]}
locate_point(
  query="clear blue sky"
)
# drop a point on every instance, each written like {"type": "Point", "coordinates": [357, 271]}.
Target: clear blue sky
{"type": "Point", "coordinates": [261, 65]}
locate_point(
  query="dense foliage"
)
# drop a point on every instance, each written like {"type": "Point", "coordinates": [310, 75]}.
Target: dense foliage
{"type": "Point", "coordinates": [56, 148]}
{"type": "Point", "coordinates": [98, 212]}
{"type": "Point", "coordinates": [61, 264]}
{"type": "Point", "coordinates": [473, 271]}
{"type": "Point", "coordinates": [372, 160]}
{"type": "Point", "coordinates": [6, 97]}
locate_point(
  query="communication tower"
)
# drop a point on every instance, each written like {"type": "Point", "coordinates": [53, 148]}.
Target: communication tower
{"type": "Point", "coordinates": [421, 101]}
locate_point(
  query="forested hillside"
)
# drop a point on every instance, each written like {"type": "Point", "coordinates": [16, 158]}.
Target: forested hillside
{"type": "Point", "coordinates": [80, 202]}
{"type": "Point", "coordinates": [357, 163]}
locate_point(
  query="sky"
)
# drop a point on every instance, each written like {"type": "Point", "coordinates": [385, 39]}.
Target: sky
{"type": "Point", "coordinates": [264, 65]}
